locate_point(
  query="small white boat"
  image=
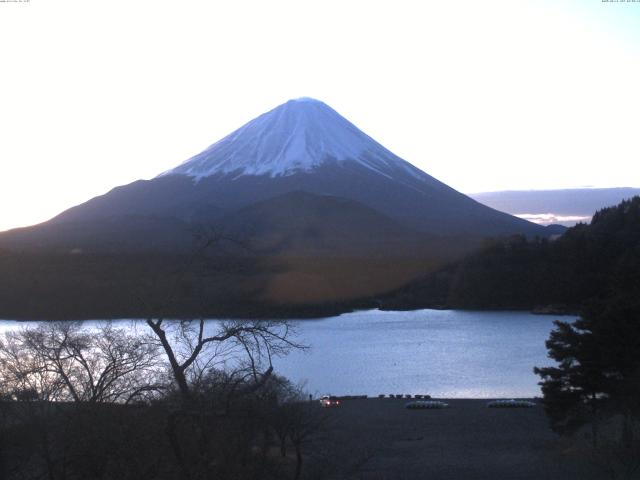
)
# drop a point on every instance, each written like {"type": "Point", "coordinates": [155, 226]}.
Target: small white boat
{"type": "Point", "coordinates": [511, 404]}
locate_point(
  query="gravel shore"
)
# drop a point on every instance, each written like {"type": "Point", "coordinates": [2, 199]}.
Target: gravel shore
{"type": "Point", "coordinates": [384, 440]}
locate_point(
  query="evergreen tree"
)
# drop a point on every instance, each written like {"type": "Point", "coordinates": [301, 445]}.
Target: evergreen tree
{"type": "Point", "coordinates": [598, 371]}
{"type": "Point", "coordinates": [574, 390]}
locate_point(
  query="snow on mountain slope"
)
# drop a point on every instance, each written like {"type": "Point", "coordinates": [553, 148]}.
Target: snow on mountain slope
{"type": "Point", "coordinates": [297, 136]}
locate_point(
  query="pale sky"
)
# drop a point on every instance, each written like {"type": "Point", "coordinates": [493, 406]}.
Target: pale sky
{"type": "Point", "coordinates": [482, 94]}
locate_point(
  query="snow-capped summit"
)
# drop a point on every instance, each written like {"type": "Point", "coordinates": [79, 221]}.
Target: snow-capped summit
{"type": "Point", "coordinates": [297, 136]}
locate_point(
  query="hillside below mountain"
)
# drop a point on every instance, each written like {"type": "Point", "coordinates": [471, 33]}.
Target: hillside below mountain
{"type": "Point", "coordinates": [601, 259]}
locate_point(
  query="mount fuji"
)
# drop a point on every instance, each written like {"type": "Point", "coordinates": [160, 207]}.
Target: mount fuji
{"type": "Point", "coordinates": [327, 212]}
{"type": "Point", "coordinates": [302, 145]}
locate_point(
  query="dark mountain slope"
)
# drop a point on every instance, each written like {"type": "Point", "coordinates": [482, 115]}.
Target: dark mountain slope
{"type": "Point", "coordinates": [115, 234]}
{"type": "Point", "coordinates": [299, 223]}
{"type": "Point", "coordinates": [426, 207]}
{"type": "Point", "coordinates": [172, 196]}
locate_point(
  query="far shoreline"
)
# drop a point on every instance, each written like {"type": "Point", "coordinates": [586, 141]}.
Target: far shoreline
{"type": "Point", "coordinates": [303, 314]}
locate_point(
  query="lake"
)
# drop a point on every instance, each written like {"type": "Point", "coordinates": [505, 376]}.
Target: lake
{"type": "Point", "coordinates": [443, 353]}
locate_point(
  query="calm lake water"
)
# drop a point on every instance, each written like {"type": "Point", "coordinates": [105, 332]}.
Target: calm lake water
{"type": "Point", "coordinates": [444, 353]}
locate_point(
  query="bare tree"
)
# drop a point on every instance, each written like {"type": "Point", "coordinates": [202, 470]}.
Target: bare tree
{"type": "Point", "coordinates": [43, 368]}
{"type": "Point", "coordinates": [216, 364]}
{"type": "Point", "coordinates": [207, 358]}
{"type": "Point", "coordinates": [62, 361]}
{"type": "Point", "coordinates": [194, 347]}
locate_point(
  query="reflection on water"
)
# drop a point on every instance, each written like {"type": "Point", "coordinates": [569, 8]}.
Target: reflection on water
{"type": "Point", "coordinates": [450, 353]}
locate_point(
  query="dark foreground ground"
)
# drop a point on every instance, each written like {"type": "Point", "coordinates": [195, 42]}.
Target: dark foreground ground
{"type": "Point", "coordinates": [465, 441]}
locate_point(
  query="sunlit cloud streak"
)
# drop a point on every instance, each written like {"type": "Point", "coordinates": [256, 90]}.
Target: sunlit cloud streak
{"type": "Point", "coordinates": [552, 218]}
